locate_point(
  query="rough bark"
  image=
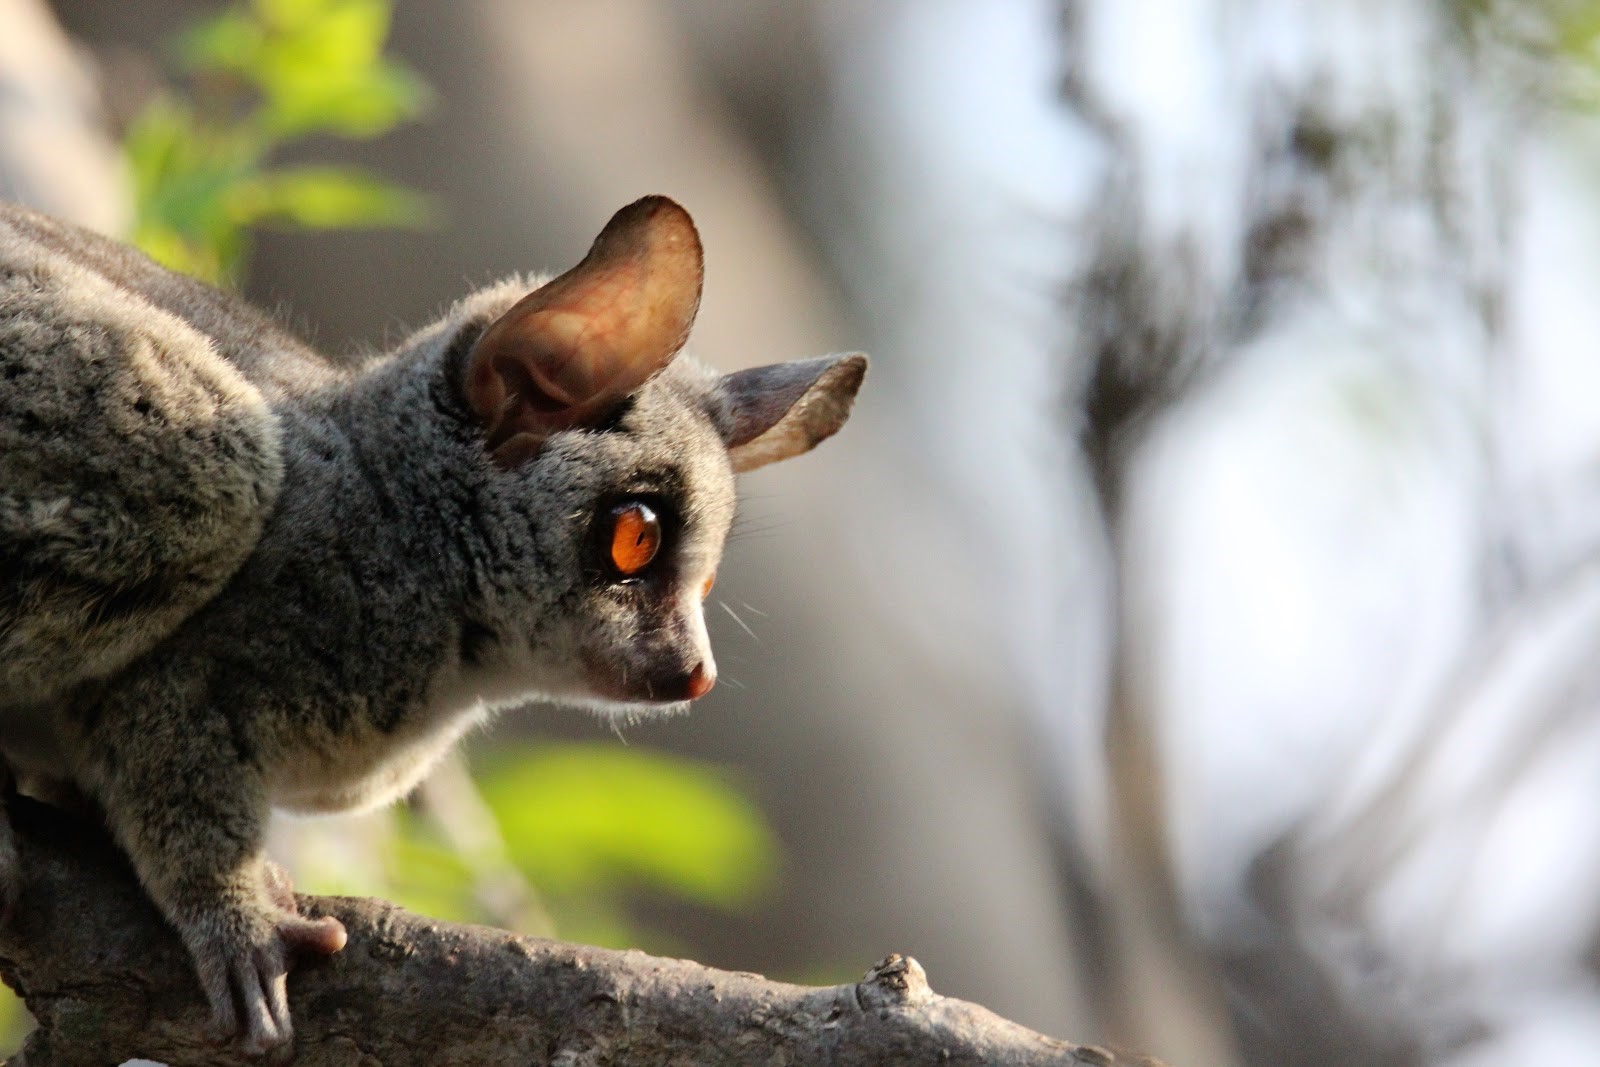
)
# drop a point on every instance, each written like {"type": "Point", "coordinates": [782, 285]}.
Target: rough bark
{"type": "Point", "coordinates": [108, 980]}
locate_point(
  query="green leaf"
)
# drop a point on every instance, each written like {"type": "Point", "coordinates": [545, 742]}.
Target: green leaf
{"type": "Point", "coordinates": [176, 252]}
{"type": "Point", "coordinates": [348, 33]}
{"type": "Point", "coordinates": [317, 65]}
{"type": "Point", "coordinates": [581, 816]}
{"type": "Point", "coordinates": [231, 41]}
{"type": "Point", "coordinates": [362, 103]}
{"type": "Point", "coordinates": [298, 14]}
{"type": "Point", "coordinates": [182, 174]}
{"type": "Point", "coordinates": [325, 197]}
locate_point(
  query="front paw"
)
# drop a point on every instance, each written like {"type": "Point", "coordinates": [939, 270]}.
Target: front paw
{"type": "Point", "coordinates": [243, 958]}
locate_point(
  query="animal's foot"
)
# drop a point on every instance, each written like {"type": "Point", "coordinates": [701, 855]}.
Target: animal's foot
{"type": "Point", "coordinates": [243, 960]}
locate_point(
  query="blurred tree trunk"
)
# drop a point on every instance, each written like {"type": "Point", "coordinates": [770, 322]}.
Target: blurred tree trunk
{"type": "Point", "coordinates": [1312, 343]}
{"type": "Point", "coordinates": [1316, 326]}
{"type": "Point", "coordinates": [55, 154]}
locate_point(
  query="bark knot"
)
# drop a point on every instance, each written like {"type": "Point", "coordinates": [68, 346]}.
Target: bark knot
{"type": "Point", "coordinates": [896, 981]}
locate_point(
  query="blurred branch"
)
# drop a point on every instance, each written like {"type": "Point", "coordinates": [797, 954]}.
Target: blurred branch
{"type": "Point", "coordinates": [108, 980]}
{"type": "Point", "coordinates": [451, 802]}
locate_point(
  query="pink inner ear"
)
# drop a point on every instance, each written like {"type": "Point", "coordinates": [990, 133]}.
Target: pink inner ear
{"type": "Point", "coordinates": [568, 352]}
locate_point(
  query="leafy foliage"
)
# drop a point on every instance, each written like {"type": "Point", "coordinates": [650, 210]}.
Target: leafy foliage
{"type": "Point", "coordinates": [264, 75]}
{"type": "Point", "coordinates": [590, 824]}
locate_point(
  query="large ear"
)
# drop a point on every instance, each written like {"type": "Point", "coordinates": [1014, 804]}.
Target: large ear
{"type": "Point", "coordinates": [788, 408]}
{"type": "Point", "coordinates": [567, 353]}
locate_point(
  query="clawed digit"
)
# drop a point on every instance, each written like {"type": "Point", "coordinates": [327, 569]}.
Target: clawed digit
{"type": "Point", "coordinates": [246, 982]}
{"type": "Point", "coordinates": [262, 980]}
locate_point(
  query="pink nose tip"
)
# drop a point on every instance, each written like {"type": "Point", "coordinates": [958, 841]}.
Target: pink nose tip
{"type": "Point", "coordinates": [700, 682]}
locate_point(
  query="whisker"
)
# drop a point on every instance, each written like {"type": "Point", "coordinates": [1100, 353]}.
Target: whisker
{"type": "Point", "coordinates": [746, 527]}
{"type": "Point", "coordinates": [755, 611]}
{"type": "Point", "coordinates": [747, 530]}
{"type": "Point", "coordinates": [733, 682]}
{"type": "Point", "coordinates": [742, 625]}
{"type": "Point", "coordinates": [742, 540]}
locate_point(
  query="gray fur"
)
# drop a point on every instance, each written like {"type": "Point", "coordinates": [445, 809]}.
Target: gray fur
{"type": "Point", "coordinates": [235, 575]}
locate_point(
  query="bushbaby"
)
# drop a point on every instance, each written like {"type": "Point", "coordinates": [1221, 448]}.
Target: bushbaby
{"type": "Point", "coordinates": [235, 575]}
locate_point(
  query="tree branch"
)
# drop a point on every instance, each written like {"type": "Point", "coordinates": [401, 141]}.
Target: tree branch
{"type": "Point", "coordinates": [108, 980]}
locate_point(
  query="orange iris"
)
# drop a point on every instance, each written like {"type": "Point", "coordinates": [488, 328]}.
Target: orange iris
{"type": "Point", "coordinates": [635, 537]}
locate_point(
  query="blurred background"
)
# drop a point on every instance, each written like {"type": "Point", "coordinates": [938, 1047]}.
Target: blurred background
{"type": "Point", "coordinates": [1191, 642]}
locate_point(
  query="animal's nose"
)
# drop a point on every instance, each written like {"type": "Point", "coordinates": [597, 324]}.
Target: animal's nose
{"type": "Point", "coordinates": [699, 682]}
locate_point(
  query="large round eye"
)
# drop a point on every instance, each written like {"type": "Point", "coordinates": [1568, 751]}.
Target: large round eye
{"type": "Point", "coordinates": [635, 537]}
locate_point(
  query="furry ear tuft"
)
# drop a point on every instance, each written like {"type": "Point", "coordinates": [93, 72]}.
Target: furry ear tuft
{"type": "Point", "coordinates": [785, 409]}
{"type": "Point", "coordinates": [567, 353]}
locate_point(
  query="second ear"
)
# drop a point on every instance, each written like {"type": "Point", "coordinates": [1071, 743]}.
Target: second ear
{"type": "Point", "coordinates": [567, 353]}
